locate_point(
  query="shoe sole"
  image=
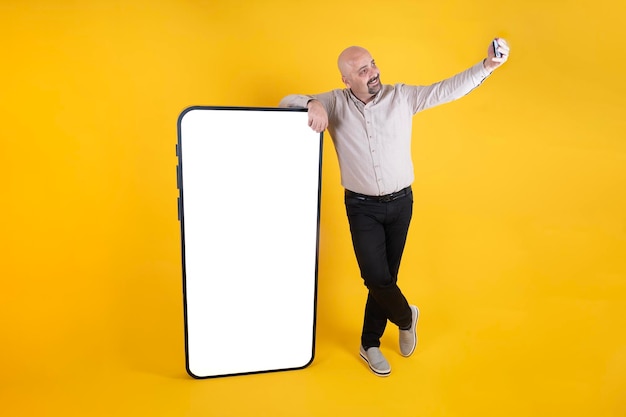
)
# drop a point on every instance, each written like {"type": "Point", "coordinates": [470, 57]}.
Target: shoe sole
{"type": "Point", "coordinates": [376, 372]}
{"type": "Point", "coordinates": [414, 325]}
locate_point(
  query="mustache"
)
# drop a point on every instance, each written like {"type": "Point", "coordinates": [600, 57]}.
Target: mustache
{"type": "Point", "coordinates": [373, 79]}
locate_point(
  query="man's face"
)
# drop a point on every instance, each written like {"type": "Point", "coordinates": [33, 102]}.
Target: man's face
{"type": "Point", "coordinates": [363, 76]}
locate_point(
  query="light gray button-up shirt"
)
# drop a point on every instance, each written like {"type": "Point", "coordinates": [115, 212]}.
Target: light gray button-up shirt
{"type": "Point", "coordinates": [373, 140]}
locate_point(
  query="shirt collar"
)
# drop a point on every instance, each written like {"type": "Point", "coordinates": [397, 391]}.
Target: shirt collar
{"type": "Point", "coordinates": [360, 103]}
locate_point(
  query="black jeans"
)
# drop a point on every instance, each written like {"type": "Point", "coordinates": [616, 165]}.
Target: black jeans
{"type": "Point", "coordinates": [379, 231]}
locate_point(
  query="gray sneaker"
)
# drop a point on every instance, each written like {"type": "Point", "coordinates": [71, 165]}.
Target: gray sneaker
{"type": "Point", "coordinates": [408, 338]}
{"type": "Point", "coordinates": [376, 361]}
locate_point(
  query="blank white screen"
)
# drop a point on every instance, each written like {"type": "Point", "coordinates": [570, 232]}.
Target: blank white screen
{"type": "Point", "coordinates": [250, 181]}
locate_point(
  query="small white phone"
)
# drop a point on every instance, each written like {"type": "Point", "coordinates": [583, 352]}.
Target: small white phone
{"type": "Point", "coordinates": [495, 49]}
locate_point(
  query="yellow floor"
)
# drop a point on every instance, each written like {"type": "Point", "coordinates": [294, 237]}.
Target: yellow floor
{"type": "Point", "coordinates": [511, 342]}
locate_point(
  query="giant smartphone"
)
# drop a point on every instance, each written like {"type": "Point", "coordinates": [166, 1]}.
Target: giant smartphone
{"type": "Point", "coordinates": [249, 184]}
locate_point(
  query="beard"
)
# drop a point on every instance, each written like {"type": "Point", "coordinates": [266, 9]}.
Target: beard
{"type": "Point", "coordinates": [375, 88]}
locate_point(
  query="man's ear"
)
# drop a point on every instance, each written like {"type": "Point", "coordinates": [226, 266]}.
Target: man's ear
{"type": "Point", "coordinates": [345, 81]}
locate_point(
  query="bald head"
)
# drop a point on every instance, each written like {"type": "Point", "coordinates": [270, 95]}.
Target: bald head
{"type": "Point", "coordinates": [351, 57]}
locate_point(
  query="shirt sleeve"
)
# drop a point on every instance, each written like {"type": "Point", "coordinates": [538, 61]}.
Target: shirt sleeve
{"type": "Point", "coordinates": [424, 97]}
{"type": "Point", "coordinates": [295, 100]}
{"type": "Point", "coordinates": [301, 101]}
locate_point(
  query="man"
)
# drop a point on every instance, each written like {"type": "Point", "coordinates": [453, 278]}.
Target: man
{"type": "Point", "coordinates": [370, 124]}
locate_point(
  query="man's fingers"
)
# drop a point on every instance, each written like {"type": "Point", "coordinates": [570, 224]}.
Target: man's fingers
{"type": "Point", "coordinates": [503, 46]}
{"type": "Point", "coordinates": [319, 128]}
{"type": "Point", "coordinates": [317, 125]}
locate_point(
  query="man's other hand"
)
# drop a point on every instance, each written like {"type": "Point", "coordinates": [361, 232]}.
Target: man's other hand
{"type": "Point", "coordinates": [318, 117]}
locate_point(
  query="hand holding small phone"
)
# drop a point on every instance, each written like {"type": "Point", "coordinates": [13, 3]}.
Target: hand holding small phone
{"type": "Point", "coordinates": [497, 54]}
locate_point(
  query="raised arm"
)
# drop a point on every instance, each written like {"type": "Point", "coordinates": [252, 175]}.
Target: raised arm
{"type": "Point", "coordinates": [459, 85]}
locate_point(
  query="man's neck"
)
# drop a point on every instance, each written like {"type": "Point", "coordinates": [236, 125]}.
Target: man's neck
{"type": "Point", "coordinates": [365, 99]}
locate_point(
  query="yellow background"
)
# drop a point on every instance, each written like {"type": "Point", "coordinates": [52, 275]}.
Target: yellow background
{"type": "Point", "coordinates": [515, 255]}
